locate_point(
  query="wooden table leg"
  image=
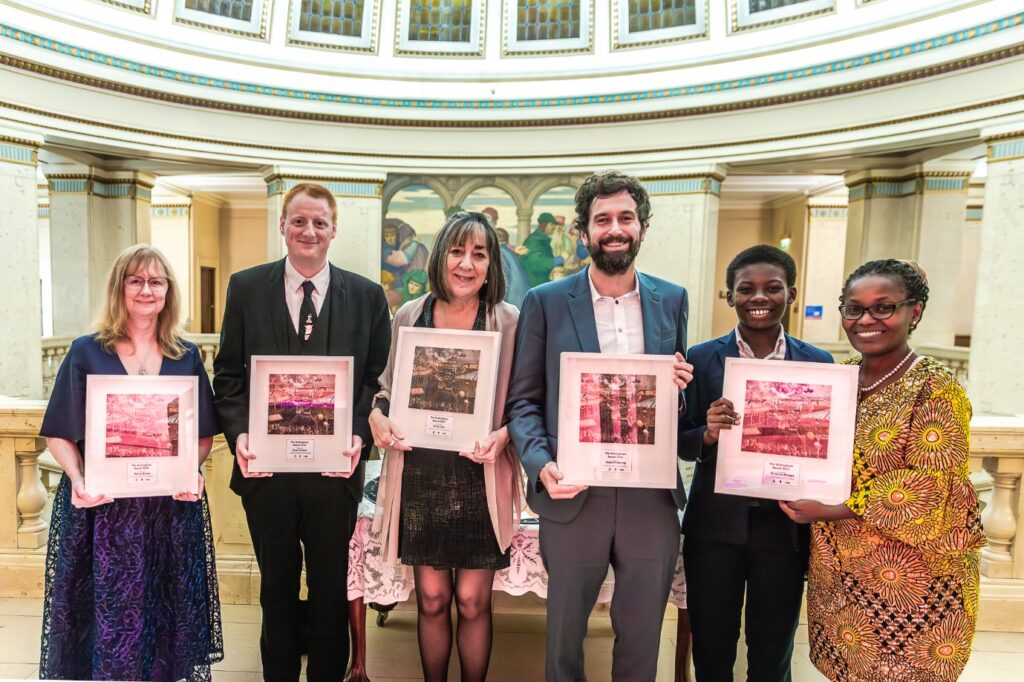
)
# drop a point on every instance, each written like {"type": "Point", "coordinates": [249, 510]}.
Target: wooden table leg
{"type": "Point", "coordinates": [357, 628]}
{"type": "Point", "coordinates": [683, 646]}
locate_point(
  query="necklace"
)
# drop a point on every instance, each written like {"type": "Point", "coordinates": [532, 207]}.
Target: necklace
{"type": "Point", "coordinates": [142, 371]}
{"type": "Point", "coordinates": [866, 389]}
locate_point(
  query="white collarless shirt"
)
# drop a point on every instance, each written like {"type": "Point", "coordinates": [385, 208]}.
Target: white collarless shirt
{"type": "Point", "coordinates": [293, 295]}
{"type": "Point", "coordinates": [620, 321]}
{"type": "Point", "coordinates": [747, 352]}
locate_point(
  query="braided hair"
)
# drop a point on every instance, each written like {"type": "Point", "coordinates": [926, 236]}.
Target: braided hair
{"type": "Point", "coordinates": [911, 275]}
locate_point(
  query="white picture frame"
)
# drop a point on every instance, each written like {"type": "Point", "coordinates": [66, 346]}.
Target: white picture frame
{"type": "Point", "coordinates": [513, 46]}
{"type": "Point", "coordinates": [442, 391]}
{"type": "Point", "coordinates": [300, 413]}
{"type": "Point", "coordinates": [141, 435]}
{"type": "Point", "coordinates": [255, 26]}
{"type": "Point", "coordinates": [623, 38]}
{"type": "Point", "coordinates": [474, 47]}
{"type": "Point", "coordinates": [795, 436]}
{"type": "Point", "coordinates": [618, 420]}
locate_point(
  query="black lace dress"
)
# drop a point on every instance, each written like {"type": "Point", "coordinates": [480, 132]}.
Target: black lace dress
{"type": "Point", "coordinates": [445, 523]}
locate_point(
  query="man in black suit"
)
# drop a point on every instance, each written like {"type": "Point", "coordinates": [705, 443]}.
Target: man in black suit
{"type": "Point", "coordinates": [301, 305]}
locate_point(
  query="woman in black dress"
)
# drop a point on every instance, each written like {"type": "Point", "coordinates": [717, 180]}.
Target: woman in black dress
{"type": "Point", "coordinates": [451, 515]}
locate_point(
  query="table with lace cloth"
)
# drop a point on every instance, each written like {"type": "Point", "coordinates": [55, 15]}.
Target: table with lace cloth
{"type": "Point", "coordinates": [378, 582]}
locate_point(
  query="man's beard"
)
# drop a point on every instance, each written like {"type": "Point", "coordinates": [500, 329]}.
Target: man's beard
{"type": "Point", "coordinates": [614, 263]}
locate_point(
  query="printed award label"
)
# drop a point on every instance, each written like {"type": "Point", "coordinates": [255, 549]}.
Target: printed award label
{"type": "Point", "coordinates": [299, 448]}
{"type": "Point", "coordinates": [142, 472]}
{"type": "Point", "coordinates": [616, 461]}
{"type": "Point", "coordinates": [785, 474]}
{"type": "Point", "coordinates": [440, 425]}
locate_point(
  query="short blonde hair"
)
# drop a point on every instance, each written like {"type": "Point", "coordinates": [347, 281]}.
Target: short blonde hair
{"type": "Point", "coordinates": [314, 190]}
{"type": "Point", "coordinates": [112, 321]}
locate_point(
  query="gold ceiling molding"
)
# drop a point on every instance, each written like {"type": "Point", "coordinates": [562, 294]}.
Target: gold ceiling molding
{"type": "Point", "coordinates": [382, 155]}
{"type": "Point", "coordinates": [808, 95]}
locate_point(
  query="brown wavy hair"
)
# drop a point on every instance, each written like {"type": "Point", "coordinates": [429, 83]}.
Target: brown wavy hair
{"type": "Point", "coordinates": [112, 321]}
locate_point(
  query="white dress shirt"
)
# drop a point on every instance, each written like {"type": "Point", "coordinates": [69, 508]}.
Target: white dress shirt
{"type": "Point", "coordinates": [620, 321]}
{"type": "Point", "coordinates": [747, 352]}
{"type": "Point", "coordinates": [293, 289]}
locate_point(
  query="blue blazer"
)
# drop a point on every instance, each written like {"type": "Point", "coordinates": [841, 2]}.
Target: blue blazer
{"type": "Point", "coordinates": [709, 515]}
{"type": "Point", "coordinates": [558, 317]}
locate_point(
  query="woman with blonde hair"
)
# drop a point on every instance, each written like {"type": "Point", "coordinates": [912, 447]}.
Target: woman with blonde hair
{"type": "Point", "coordinates": [131, 586]}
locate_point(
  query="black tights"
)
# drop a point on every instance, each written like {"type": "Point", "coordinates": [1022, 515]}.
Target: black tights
{"type": "Point", "coordinates": [472, 592]}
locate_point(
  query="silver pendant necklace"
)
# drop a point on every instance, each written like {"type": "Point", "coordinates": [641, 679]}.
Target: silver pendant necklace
{"type": "Point", "coordinates": [866, 389]}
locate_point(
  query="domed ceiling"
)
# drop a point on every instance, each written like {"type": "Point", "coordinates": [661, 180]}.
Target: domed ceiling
{"type": "Point", "coordinates": [517, 62]}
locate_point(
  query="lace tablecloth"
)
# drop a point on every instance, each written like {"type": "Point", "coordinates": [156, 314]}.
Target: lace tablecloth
{"type": "Point", "coordinates": [379, 582]}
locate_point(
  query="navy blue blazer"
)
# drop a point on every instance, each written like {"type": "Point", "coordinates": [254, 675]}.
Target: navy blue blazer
{"type": "Point", "coordinates": [558, 317]}
{"type": "Point", "coordinates": [709, 515]}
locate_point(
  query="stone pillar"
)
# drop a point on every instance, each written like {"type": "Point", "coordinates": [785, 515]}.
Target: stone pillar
{"type": "Point", "coordinates": [915, 213]}
{"type": "Point", "coordinates": [996, 382]}
{"type": "Point", "coordinates": [524, 216]}
{"type": "Point", "coordinates": [360, 214]}
{"type": "Point", "coordinates": [21, 369]}
{"type": "Point", "coordinates": [822, 275]}
{"type": "Point", "coordinates": [94, 215]}
{"type": "Point", "coordinates": [682, 239]}
{"type": "Point", "coordinates": [172, 233]}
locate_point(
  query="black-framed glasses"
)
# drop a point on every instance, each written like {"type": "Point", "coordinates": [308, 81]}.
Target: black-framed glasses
{"type": "Point", "coordinates": [135, 283]}
{"type": "Point", "coordinates": [879, 311]}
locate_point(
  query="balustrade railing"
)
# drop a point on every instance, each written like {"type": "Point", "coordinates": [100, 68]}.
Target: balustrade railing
{"type": "Point", "coordinates": [56, 347]}
{"type": "Point", "coordinates": [997, 449]}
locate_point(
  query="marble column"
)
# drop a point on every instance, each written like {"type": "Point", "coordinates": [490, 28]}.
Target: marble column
{"type": "Point", "coordinates": [94, 215]}
{"type": "Point", "coordinates": [996, 381]}
{"type": "Point", "coordinates": [822, 275]}
{"type": "Point", "coordinates": [681, 241]}
{"type": "Point", "coordinates": [360, 213]}
{"type": "Point", "coordinates": [915, 213]}
{"type": "Point", "coordinates": [21, 371]}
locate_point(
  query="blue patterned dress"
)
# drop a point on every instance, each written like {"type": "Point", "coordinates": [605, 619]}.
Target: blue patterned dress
{"type": "Point", "coordinates": [131, 586]}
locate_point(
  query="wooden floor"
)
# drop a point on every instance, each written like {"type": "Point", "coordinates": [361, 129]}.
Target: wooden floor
{"type": "Point", "coordinates": [518, 648]}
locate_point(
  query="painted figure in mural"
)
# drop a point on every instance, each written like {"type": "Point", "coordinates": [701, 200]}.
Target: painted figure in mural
{"type": "Point", "coordinates": [401, 250]}
{"type": "Point", "coordinates": [536, 254]}
{"type": "Point", "coordinates": [515, 275]}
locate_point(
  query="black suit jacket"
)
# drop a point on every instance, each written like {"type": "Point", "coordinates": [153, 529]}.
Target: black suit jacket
{"type": "Point", "coordinates": [257, 324]}
{"type": "Point", "coordinates": [710, 515]}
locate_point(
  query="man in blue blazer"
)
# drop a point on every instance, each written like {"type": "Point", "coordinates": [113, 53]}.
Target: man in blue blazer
{"type": "Point", "coordinates": [735, 546]}
{"type": "Point", "coordinates": [606, 308]}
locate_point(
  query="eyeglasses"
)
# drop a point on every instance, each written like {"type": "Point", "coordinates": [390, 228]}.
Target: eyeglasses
{"type": "Point", "coordinates": [135, 283]}
{"type": "Point", "coordinates": [879, 311]}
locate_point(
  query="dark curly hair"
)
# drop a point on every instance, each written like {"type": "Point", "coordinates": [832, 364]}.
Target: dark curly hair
{"type": "Point", "coordinates": [908, 273]}
{"type": "Point", "coordinates": [761, 253]}
{"type": "Point", "coordinates": [605, 184]}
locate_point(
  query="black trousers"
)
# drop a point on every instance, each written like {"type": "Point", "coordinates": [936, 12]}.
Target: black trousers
{"type": "Point", "coordinates": [770, 571]}
{"type": "Point", "coordinates": [291, 517]}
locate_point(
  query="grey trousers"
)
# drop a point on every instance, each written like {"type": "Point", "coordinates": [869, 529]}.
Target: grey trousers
{"type": "Point", "coordinates": [637, 532]}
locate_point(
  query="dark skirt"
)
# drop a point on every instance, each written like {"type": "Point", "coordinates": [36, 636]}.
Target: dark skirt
{"type": "Point", "coordinates": [131, 591]}
{"type": "Point", "coordinates": [445, 522]}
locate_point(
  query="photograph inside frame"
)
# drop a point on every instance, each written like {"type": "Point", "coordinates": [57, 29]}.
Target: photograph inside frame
{"type": "Point", "coordinates": [141, 425]}
{"type": "Point", "coordinates": [786, 418]}
{"type": "Point", "coordinates": [618, 408]}
{"type": "Point", "coordinates": [301, 405]}
{"type": "Point", "coordinates": [444, 379]}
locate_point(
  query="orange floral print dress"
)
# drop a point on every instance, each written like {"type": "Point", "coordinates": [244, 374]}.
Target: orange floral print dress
{"type": "Point", "coordinates": [893, 595]}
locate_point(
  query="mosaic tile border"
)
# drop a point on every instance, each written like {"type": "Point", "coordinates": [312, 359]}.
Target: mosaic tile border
{"type": "Point", "coordinates": [1013, 21]}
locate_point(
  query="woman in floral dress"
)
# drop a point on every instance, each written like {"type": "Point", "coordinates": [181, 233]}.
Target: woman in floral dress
{"type": "Point", "coordinates": [893, 581]}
